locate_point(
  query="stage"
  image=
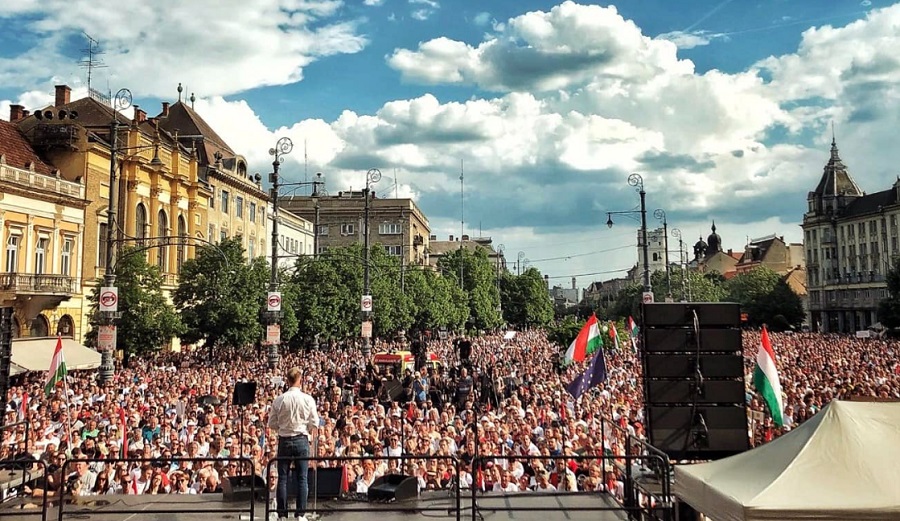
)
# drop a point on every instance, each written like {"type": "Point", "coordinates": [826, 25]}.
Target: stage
{"type": "Point", "coordinates": [433, 505]}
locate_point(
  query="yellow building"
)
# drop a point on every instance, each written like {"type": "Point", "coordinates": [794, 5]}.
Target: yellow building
{"type": "Point", "coordinates": [41, 232]}
{"type": "Point", "coordinates": [156, 201]}
{"type": "Point", "coordinates": [237, 202]}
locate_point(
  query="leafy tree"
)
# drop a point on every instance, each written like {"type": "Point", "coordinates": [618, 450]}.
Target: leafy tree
{"type": "Point", "coordinates": [220, 296]}
{"type": "Point", "coordinates": [479, 284]}
{"type": "Point", "coordinates": [392, 308]}
{"type": "Point", "coordinates": [628, 301]}
{"type": "Point", "coordinates": [525, 299]}
{"type": "Point", "coordinates": [436, 301]}
{"type": "Point", "coordinates": [564, 331]}
{"type": "Point", "coordinates": [330, 288]}
{"type": "Point", "coordinates": [889, 308]}
{"type": "Point", "coordinates": [148, 321]}
{"type": "Point", "coordinates": [766, 298]}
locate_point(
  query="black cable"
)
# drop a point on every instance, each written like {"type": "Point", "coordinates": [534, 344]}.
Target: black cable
{"type": "Point", "coordinates": [695, 394]}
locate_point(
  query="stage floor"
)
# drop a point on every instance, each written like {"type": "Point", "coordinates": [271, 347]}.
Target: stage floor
{"type": "Point", "coordinates": [141, 508]}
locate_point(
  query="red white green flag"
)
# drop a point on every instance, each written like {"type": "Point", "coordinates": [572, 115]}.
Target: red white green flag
{"type": "Point", "coordinates": [614, 335]}
{"type": "Point", "coordinates": [633, 332]}
{"type": "Point", "coordinates": [57, 372]}
{"type": "Point", "coordinates": [587, 341]}
{"type": "Point", "coordinates": [765, 379]}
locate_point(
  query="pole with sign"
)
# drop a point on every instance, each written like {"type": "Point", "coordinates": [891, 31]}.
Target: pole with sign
{"type": "Point", "coordinates": [366, 304]}
{"type": "Point", "coordinates": [648, 297]}
{"type": "Point", "coordinates": [273, 301]}
{"type": "Point", "coordinates": [109, 299]}
{"type": "Point", "coordinates": [273, 334]}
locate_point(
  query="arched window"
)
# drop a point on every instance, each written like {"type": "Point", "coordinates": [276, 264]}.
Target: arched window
{"type": "Point", "coordinates": [140, 223]}
{"type": "Point", "coordinates": [12, 254]}
{"type": "Point", "coordinates": [40, 326]}
{"type": "Point", "coordinates": [182, 237]}
{"type": "Point", "coordinates": [162, 227]}
{"type": "Point", "coordinates": [65, 326]}
{"type": "Point", "coordinates": [40, 256]}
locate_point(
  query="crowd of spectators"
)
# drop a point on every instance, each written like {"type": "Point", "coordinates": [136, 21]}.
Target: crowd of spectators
{"type": "Point", "coordinates": [509, 397]}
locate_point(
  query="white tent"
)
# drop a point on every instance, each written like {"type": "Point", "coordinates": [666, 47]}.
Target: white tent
{"type": "Point", "coordinates": [34, 354]}
{"type": "Point", "coordinates": [841, 464]}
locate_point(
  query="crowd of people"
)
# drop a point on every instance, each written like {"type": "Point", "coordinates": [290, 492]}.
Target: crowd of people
{"type": "Point", "coordinates": [499, 420]}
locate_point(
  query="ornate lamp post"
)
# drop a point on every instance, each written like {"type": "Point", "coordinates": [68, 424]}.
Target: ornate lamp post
{"type": "Point", "coordinates": [660, 214]}
{"type": "Point", "coordinates": [283, 147]}
{"type": "Point", "coordinates": [372, 177]}
{"type": "Point", "coordinates": [681, 257]}
{"type": "Point", "coordinates": [637, 181]}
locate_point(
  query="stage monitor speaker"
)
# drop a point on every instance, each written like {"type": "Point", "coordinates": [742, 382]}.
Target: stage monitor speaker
{"type": "Point", "coordinates": [244, 393]}
{"type": "Point", "coordinates": [680, 314]}
{"type": "Point", "coordinates": [329, 482]}
{"type": "Point", "coordinates": [393, 487]}
{"type": "Point", "coordinates": [685, 366]}
{"type": "Point", "coordinates": [699, 432]}
{"type": "Point", "coordinates": [682, 392]}
{"type": "Point", "coordinates": [677, 340]}
{"type": "Point", "coordinates": [237, 488]}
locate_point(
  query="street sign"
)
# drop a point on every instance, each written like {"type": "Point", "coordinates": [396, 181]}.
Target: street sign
{"type": "Point", "coordinates": [273, 334]}
{"type": "Point", "coordinates": [109, 299]}
{"type": "Point", "coordinates": [367, 329]}
{"type": "Point", "coordinates": [273, 301]}
{"type": "Point", "coordinates": [366, 303]}
{"type": "Point", "coordinates": [106, 338]}
{"type": "Point", "coordinates": [648, 297]}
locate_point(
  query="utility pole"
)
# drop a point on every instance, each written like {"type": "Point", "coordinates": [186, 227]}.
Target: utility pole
{"type": "Point", "coordinates": [462, 221]}
{"type": "Point", "coordinates": [273, 299]}
{"type": "Point", "coordinates": [372, 177]}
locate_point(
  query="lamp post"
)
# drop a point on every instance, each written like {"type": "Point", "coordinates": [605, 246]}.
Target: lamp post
{"type": "Point", "coordinates": [660, 214]}
{"type": "Point", "coordinates": [273, 299]}
{"type": "Point", "coordinates": [637, 181]}
{"type": "Point", "coordinates": [372, 177]}
{"type": "Point", "coordinates": [681, 258]}
{"type": "Point", "coordinates": [519, 258]}
{"type": "Point", "coordinates": [316, 193]}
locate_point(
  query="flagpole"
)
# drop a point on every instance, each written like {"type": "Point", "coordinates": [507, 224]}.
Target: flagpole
{"type": "Point", "coordinates": [62, 359]}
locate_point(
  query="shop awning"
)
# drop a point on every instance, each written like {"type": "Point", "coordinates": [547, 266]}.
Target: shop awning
{"type": "Point", "coordinates": [34, 354]}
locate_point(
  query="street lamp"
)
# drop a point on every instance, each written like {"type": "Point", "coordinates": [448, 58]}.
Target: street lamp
{"type": "Point", "coordinates": [519, 258]}
{"type": "Point", "coordinates": [372, 177]}
{"type": "Point", "coordinates": [681, 257]}
{"type": "Point", "coordinates": [316, 192]}
{"type": "Point", "coordinates": [660, 214]}
{"type": "Point", "coordinates": [273, 299]}
{"type": "Point", "coordinates": [637, 181]}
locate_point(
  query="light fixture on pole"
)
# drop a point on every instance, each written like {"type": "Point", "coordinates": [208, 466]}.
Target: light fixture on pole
{"type": "Point", "coordinates": [660, 215]}
{"type": "Point", "coordinates": [273, 299]}
{"type": "Point", "coordinates": [681, 258]}
{"type": "Point", "coordinates": [637, 182]}
{"type": "Point", "coordinates": [519, 259]}
{"type": "Point", "coordinates": [372, 177]}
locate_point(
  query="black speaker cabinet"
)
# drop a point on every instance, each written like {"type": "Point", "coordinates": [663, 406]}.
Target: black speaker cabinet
{"type": "Point", "coordinates": [393, 487]}
{"type": "Point", "coordinates": [244, 393]}
{"type": "Point", "coordinates": [699, 433]}
{"type": "Point", "coordinates": [676, 340]}
{"type": "Point", "coordinates": [237, 488]}
{"type": "Point", "coordinates": [325, 483]}
{"type": "Point", "coordinates": [681, 314]}
{"type": "Point", "coordinates": [685, 366]}
{"type": "Point", "coordinates": [681, 392]}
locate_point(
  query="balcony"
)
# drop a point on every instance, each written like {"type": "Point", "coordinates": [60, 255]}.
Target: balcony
{"type": "Point", "coordinates": [36, 292]}
{"type": "Point", "coordinates": [35, 181]}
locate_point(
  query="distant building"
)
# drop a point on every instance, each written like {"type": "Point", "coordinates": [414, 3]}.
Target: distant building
{"type": "Point", "coordinates": [656, 251]}
{"type": "Point", "coordinates": [606, 292]}
{"type": "Point", "coordinates": [772, 252]}
{"type": "Point", "coordinates": [565, 297]}
{"type": "Point", "coordinates": [295, 237]}
{"type": "Point", "coordinates": [437, 249]}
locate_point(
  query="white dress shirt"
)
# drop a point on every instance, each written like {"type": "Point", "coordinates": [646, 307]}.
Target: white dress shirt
{"type": "Point", "coordinates": [293, 413]}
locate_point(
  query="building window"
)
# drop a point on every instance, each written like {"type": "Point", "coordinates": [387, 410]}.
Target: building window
{"type": "Point", "coordinates": [162, 230]}
{"type": "Point", "coordinates": [12, 254]}
{"type": "Point", "coordinates": [390, 229]}
{"type": "Point", "coordinates": [347, 229]}
{"type": "Point", "coordinates": [251, 247]}
{"type": "Point", "coordinates": [102, 244]}
{"type": "Point", "coordinates": [223, 235]}
{"type": "Point", "coordinates": [323, 229]}
{"type": "Point", "coordinates": [212, 232]}
{"type": "Point", "coordinates": [180, 248]}
{"type": "Point", "coordinates": [65, 265]}
{"type": "Point", "coordinates": [252, 212]}
{"type": "Point", "coordinates": [239, 207]}
{"type": "Point", "coordinates": [40, 256]}
{"type": "Point", "coordinates": [140, 226]}
{"type": "Point", "coordinates": [394, 250]}
{"type": "Point", "coordinates": [224, 201]}
{"type": "Point", "coordinates": [212, 198]}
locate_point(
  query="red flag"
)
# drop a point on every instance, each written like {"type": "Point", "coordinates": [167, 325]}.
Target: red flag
{"type": "Point", "coordinates": [23, 407]}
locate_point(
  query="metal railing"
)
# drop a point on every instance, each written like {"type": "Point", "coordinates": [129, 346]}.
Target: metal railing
{"type": "Point", "coordinates": [27, 468]}
{"type": "Point", "coordinates": [38, 283]}
{"type": "Point", "coordinates": [29, 179]}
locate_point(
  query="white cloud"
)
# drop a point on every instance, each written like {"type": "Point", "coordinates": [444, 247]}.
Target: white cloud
{"type": "Point", "coordinates": [482, 18]}
{"type": "Point", "coordinates": [373, 3]}
{"type": "Point", "coordinates": [689, 40]}
{"type": "Point", "coordinates": [269, 42]}
{"type": "Point", "coordinates": [423, 9]}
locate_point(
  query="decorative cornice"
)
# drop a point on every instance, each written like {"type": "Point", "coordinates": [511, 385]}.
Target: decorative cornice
{"type": "Point", "coordinates": [131, 185]}
{"type": "Point", "coordinates": [193, 205]}
{"type": "Point", "coordinates": [155, 191]}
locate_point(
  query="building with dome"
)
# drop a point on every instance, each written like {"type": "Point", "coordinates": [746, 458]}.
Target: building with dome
{"type": "Point", "coordinates": [851, 239]}
{"type": "Point", "coordinates": [709, 257]}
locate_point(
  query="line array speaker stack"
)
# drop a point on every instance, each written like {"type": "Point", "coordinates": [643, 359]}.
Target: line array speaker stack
{"type": "Point", "coordinates": [694, 392]}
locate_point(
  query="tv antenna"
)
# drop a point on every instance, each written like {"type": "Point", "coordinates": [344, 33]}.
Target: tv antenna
{"type": "Point", "coordinates": [92, 61]}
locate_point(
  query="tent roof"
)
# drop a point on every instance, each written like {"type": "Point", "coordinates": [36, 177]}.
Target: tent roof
{"type": "Point", "coordinates": [34, 354]}
{"type": "Point", "coordinates": [840, 464]}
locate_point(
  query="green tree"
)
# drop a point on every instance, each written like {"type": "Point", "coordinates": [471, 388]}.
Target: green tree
{"type": "Point", "coordinates": [525, 299]}
{"type": "Point", "coordinates": [750, 289]}
{"type": "Point", "coordinates": [889, 308]}
{"type": "Point", "coordinates": [220, 296]}
{"type": "Point", "coordinates": [479, 284]}
{"type": "Point", "coordinates": [437, 302]}
{"type": "Point", "coordinates": [148, 321]}
{"type": "Point", "coordinates": [563, 332]}
{"type": "Point", "coordinates": [392, 309]}
{"type": "Point", "coordinates": [330, 289]}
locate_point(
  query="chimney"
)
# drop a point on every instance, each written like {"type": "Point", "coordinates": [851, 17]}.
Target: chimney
{"type": "Point", "coordinates": [139, 115]}
{"type": "Point", "coordinates": [63, 95]}
{"type": "Point", "coordinates": [465, 237]}
{"type": "Point", "coordinates": [573, 283]}
{"type": "Point", "coordinates": [451, 238]}
{"type": "Point", "coordinates": [16, 112]}
{"type": "Point", "coordinates": [547, 281]}
{"type": "Point", "coordinates": [165, 110]}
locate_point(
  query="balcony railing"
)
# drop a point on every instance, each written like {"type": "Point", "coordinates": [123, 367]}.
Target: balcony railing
{"type": "Point", "coordinates": [34, 180]}
{"type": "Point", "coordinates": [33, 283]}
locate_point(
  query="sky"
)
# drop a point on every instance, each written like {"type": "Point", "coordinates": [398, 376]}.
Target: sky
{"type": "Point", "coordinates": [725, 108]}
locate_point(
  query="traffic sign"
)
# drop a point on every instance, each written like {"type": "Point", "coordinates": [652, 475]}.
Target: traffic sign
{"type": "Point", "coordinates": [273, 301]}
{"type": "Point", "coordinates": [648, 297]}
{"type": "Point", "coordinates": [109, 299]}
{"type": "Point", "coordinates": [367, 329]}
{"type": "Point", "coordinates": [366, 303]}
{"type": "Point", "coordinates": [106, 338]}
{"type": "Point", "coordinates": [273, 334]}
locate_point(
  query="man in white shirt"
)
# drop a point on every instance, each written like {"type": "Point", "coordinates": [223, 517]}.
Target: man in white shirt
{"type": "Point", "coordinates": [294, 418]}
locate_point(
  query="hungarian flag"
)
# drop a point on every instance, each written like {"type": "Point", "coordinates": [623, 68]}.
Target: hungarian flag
{"type": "Point", "coordinates": [633, 333]}
{"type": "Point", "coordinates": [57, 372]}
{"type": "Point", "coordinates": [587, 341]}
{"type": "Point", "coordinates": [765, 379]}
{"type": "Point", "coordinates": [23, 407]}
{"type": "Point", "coordinates": [614, 335]}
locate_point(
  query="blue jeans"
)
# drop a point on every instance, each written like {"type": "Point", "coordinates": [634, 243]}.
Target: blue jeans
{"type": "Point", "coordinates": [293, 470]}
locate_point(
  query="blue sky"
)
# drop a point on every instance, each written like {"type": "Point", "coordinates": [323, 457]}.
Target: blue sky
{"type": "Point", "coordinates": [724, 107]}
